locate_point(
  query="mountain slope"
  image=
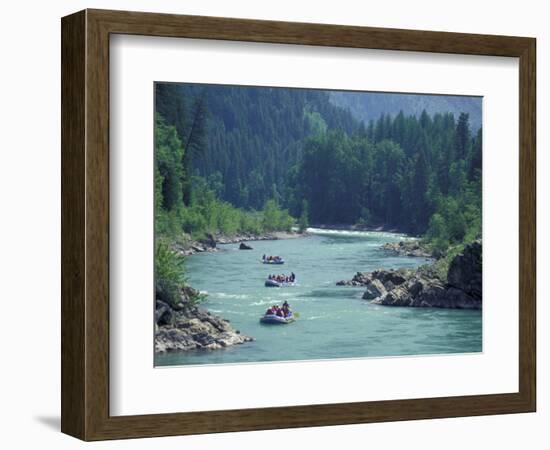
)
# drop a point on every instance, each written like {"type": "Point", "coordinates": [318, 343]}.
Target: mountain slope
{"type": "Point", "coordinates": [370, 106]}
{"type": "Point", "coordinates": [250, 136]}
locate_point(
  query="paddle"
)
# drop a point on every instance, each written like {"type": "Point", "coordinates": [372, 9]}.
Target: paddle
{"type": "Point", "coordinates": [296, 314]}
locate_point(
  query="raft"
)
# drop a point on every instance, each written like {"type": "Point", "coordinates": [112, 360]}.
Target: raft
{"type": "Point", "coordinates": [276, 261]}
{"type": "Point", "coordinates": [273, 283]}
{"type": "Point", "coordinates": [273, 319]}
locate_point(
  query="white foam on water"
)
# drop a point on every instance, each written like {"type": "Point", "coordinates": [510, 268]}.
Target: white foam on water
{"type": "Point", "coordinates": [357, 233]}
{"type": "Point", "coordinates": [225, 295]}
{"type": "Point", "coordinates": [263, 302]}
{"type": "Point", "coordinates": [220, 311]}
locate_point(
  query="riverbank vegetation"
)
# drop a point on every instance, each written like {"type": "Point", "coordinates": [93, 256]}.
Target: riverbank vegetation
{"type": "Point", "coordinates": [421, 176]}
{"type": "Point", "coordinates": [235, 160]}
{"type": "Point", "coordinates": [171, 279]}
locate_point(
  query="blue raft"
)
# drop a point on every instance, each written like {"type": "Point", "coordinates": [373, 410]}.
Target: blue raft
{"type": "Point", "coordinates": [273, 319]}
{"type": "Point", "coordinates": [273, 283]}
{"type": "Point", "coordinates": [274, 261]}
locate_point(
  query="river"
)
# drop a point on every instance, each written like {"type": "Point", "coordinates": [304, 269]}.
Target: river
{"type": "Point", "coordinates": [334, 322]}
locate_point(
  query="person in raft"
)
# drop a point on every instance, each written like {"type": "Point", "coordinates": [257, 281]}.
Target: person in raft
{"type": "Point", "coordinates": [276, 310]}
{"type": "Point", "coordinates": [283, 278]}
{"type": "Point", "coordinates": [286, 309]}
{"type": "Point", "coordinates": [271, 258]}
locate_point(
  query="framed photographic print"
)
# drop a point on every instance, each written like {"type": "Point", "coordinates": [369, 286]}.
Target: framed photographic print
{"type": "Point", "coordinates": [273, 225]}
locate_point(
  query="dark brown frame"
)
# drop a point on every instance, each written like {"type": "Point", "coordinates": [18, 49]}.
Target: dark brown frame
{"type": "Point", "coordinates": [85, 224]}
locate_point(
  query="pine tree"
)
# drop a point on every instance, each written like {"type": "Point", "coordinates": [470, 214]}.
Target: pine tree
{"type": "Point", "coordinates": [462, 139]}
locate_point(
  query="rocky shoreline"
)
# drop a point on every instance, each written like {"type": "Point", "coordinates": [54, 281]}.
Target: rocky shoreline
{"type": "Point", "coordinates": [187, 327]}
{"type": "Point", "coordinates": [422, 287]}
{"type": "Point", "coordinates": [210, 243]}
{"type": "Point", "coordinates": [409, 248]}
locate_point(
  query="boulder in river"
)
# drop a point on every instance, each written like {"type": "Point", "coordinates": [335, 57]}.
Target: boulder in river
{"type": "Point", "coordinates": [395, 277]}
{"type": "Point", "coordinates": [209, 241]}
{"type": "Point", "coordinates": [245, 246]}
{"type": "Point", "coordinates": [422, 287]}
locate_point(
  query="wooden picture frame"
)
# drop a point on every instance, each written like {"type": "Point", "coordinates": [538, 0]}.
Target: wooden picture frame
{"type": "Point", "coordinates": [85, 224]}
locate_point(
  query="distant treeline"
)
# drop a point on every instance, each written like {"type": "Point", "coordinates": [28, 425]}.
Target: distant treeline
{"type": "Point", "coordinates": [249, 159]}
{"type": "Point", "coordinates": [422, 176]}
{"type": "Point", "coordinates": [371, 105]}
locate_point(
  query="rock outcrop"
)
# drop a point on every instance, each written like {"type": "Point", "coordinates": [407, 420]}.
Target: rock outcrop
{"type": "Point", "coordinates": [189, 327]}
{"type": "Point", "coordinates": [395, 277]}
{"type": "Point", "coordinates": [465, 270]}
{"type": "Point", "coordinates": [422, 287]}
{"type": "Point", "coordinates": [409, 248]}
{"type": "Point", "coordinates": [374, 290]}
{"type": "Point", "coordinates": [245, 246]}
{"type": "Point", "coordinates": [187, 246]}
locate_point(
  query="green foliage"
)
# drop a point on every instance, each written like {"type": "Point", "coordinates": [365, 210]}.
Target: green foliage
{"type": "Point", "coordinates": [169, 274]}
{"type": "Point", "coordinates": [170, 279]}
{"type": "Point", "coordinates": [250, 135]}
{"type": "Point", "coordinates": [316, 123]}
{"type": "Point", "coordinates": [438, 234]}
{"type": "Point", "coordinates": [274, 218]}
{"type": "Point", "coordinates": [365, 219]}
{"type": "Point", "coordinates": [246, 160]}
{"type": "Point", "coordinates": [396, 173]}
{"type": "Point", "coordinates": [204, 212]}
{"type": "Point", "coordinates": [328, 177]}
{"type": "Point", "coordinates": [441, 266]}
{"type": "Point", "coordinates": [168, 170]}
{"type": "Point", "coordinates": [458, 219]}
{"type": "Point", "coordinates": [303, 221]}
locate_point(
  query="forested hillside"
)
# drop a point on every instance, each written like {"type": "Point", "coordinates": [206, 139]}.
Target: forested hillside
{"type": "Point", "coordinates": [370, 106]}
{"type": "Point", "coordinates": [236, 158]}
{"type": "Point", "coordinates": [247, 137]}
{"type": "Point", "coordinates": [416, 175]}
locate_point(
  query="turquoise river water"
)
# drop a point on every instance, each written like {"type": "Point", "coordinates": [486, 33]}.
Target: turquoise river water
{"type": "Point", "coordinates": [334, 322]}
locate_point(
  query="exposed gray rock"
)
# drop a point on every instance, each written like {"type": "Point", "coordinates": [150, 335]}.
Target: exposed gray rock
{"type": "Point", "coordinates": [164, 315]}
{"type": "Point", "coordinates": [409, 248]}
{"type": "Point", "coordinates": [465, 270]}
{"type": "Point", "coordinates": [190, 327]}
{"type": "Point", "coordinates": [389, 278]}
{"type": "Point", "coordinates": [186, 246]}
{"type": "Point", "coordinates": [374, 290]}
{"type": "Point", "coordinates": [395, 277]}
{"type": "Point", "coordinates": [460, 299]}
{"type": "Point", "coordinates": [244, 246]}
{"type": "Point", "coordinates": [423, 288]}
{"type": "Point", "coordinates": [398, 296]}
{"type": "Point", "coordinates": [209, 241]}
{"type": "Point", "coordinates": [359, 279]}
